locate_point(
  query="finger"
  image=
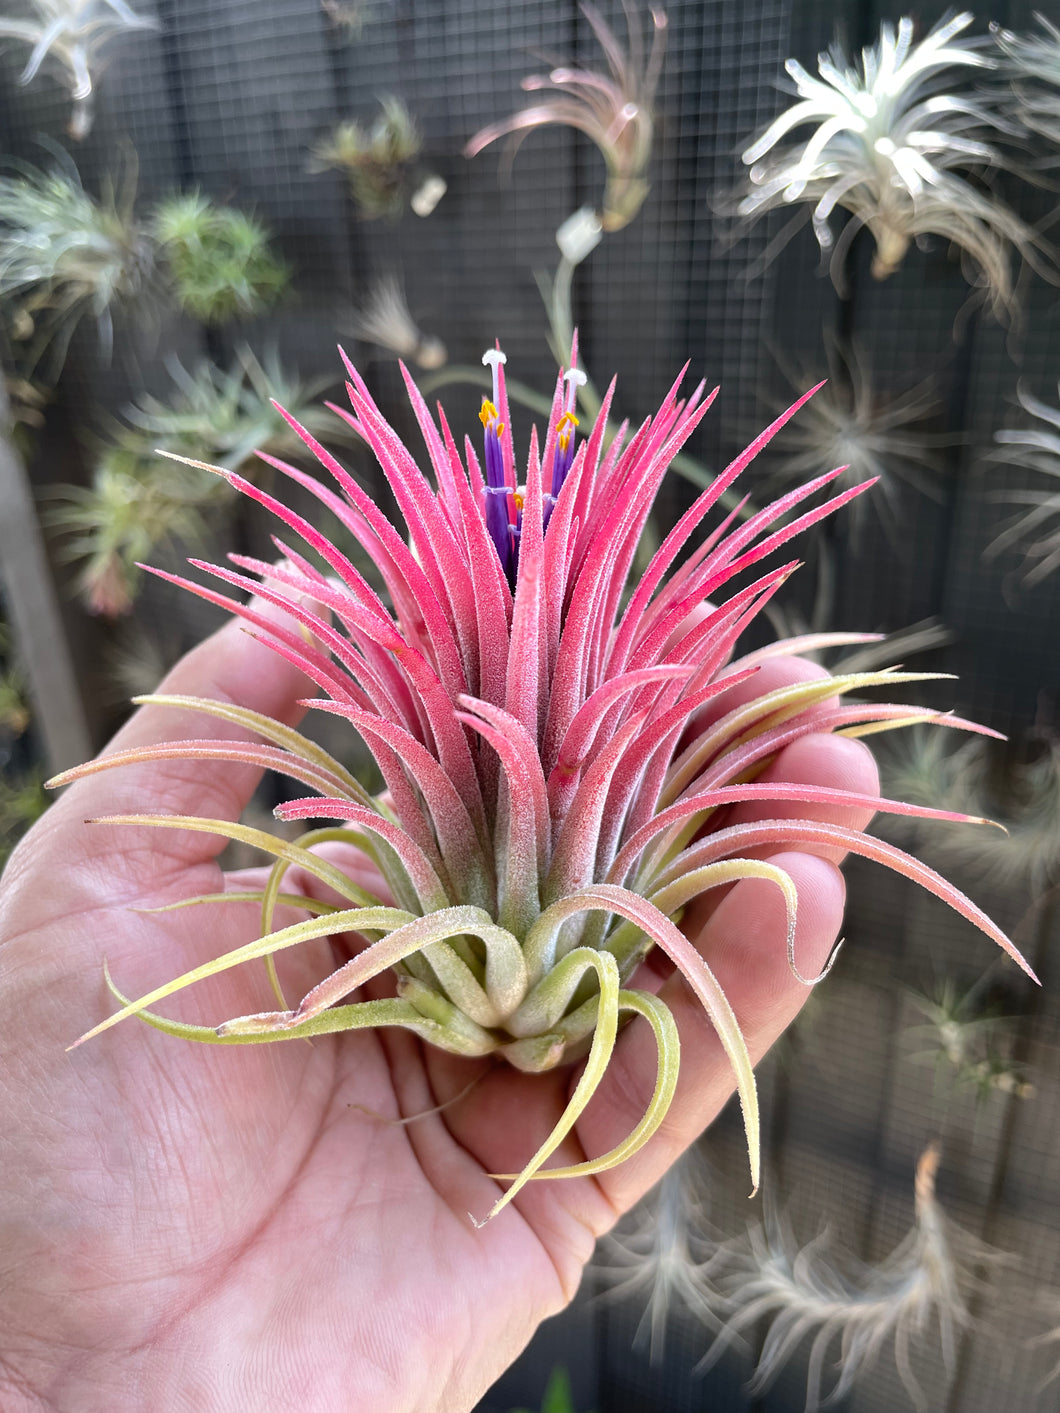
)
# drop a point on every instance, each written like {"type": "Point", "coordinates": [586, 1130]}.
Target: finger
{"type": "Point", "coordinates": [834, 762]}
{"type": "Point", "coordinates": [744, 944]}
{"type": "Point", "coordinates": [233, 665]}
{"type": "Point", "coordinates": [774, 673]}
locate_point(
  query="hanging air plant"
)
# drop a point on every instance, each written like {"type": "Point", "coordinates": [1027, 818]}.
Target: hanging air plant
{"type": "Point", "coordinates": [918, 1297]}
{"type": "Point", "coordinates": [1037, 528]}
{"type": "Point", "coordinates": [891, 145]}
{"type": "Point", "coordinates": [924, 767]}
{"type": "Point", "coordinates": [381, 163]}
{"type": "Point", "coordinates": [666, 1255]}
{"type": "Point", "coordinates": [68, 36]}
{"type": "Point", "coordinates": [850, 423]}
{"type": "Point", "coordinates": [138, 503]}
{"type": "Point", "coordinates": [551, 806]}
{"type": "Point", "coordinates": [614, 110]}
{"type": "Point", "coordinates": [1031, 63]}
{"type": "Point", "coordinates": [220, 262]}
{"type": "Point", "coordinates": [65, 256]}
{"type": "Point", "coordinates": [965, 1038]}
{"type": "Point", "coordinates": [384, 319]}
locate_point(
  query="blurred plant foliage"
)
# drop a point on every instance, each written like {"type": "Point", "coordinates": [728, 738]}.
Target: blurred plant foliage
{"type": "Point", "coordinates": [964, 1036]}
{"type": "Point", "coordinates": [1031, 63]}
{"type": "Point", "coordinates": [64, 255]}
{"type": "Point", "coordinates": [558, 1395]}
{"type": "Point", "coordinates": [139, 503]}
{"type": "Point", "coordinates": [926, 767]}
{"type": "Point", "coordinates": [218, 259]}
{"type": "Point", "coordinates": [917, 1298]}
{"type": "Point", "coordinates": [380, 163]}
{"type": "Point", "coordinates": [67, 37]}
{"type": "Point", "coordinates": [22, 795]}
{"type": "Point", "coordinates": [1036, 528]}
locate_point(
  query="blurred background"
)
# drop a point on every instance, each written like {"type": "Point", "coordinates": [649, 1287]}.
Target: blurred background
{"type": "Point", "coordinates": [200, 198]}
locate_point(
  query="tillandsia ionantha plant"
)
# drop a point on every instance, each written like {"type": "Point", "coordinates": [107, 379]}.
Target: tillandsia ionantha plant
{"type": "Point", "coordinates": [550, 805]}
{"type": "Point", "coordinates": [381, 163]}
{"type": "Point", "coordinates": [138, 502]}
{"type": "Point", "coordinates": [68, 36]}
{"type": "Point", "coordinates": [64, 255]}
{"type": "Point", "coordinates": [889, 145]}
{"type": "Point", "coordinates": [615, 110]}
{"type": "Point", "coordinates": [1031, 63]}
{"type": "Point", "coordinates": [220, 262]}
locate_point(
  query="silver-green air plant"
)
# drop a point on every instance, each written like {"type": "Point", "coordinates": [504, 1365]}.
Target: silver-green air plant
{"type": "Point", "coordinates": [550, 808]}
{"type": "Point", "coordinates": [380, 161]}
{"type": "Point", "coordinates": [918, 1297]}
{"type": "Point", "coordinates": [924, 767]}
{"type": "Point", "coordinates": [851, 423]}
{"type": "Point", "coordinates": [220, 262]}
{"type": "Point", "coordinates": [963, 1036]}
{"type": "Point", "coordinates": [65, 256]}
{"type": "Point", "coordinates": [385, 320]}
{"type": "Point", "coordinates": [67, 37]}
{"type": "Point", "coordinates": [1031, 63]}
{"type": "Point", "coordinates": [1036, 528]}
{"type": "Point", "coordinates": [892, 144]}
{"type": "Point", "coordinates": [613, 109]}
{"type": "Point", "coordinates": [665, 1256]}
{"type": "Point", "coordinates": [138, 503]}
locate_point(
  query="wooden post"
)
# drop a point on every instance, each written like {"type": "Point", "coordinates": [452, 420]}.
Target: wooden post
{"type": "Point", "coordinates": [33, 611]}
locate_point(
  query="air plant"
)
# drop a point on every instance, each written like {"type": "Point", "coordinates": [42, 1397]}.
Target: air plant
{"type": "Point", "coordinates": [1031, 63]}
{"type": "Point", "coordinates": [854, 1309]}
{"type": "Point", "coordinates": [549, 808]}
{"type": "Point", "coordinates": [1036, 529]}
{"type": "Point", "coordinates": [125, 515]}
{"type": "Point", "coordinates": [381, 163]}
{"type": "Point", "coordinates": [220, 262]}
{"type": "Point", "coordinates": [347, 16]}
{"type": "Point", "coordinates": [967, 1038]}
{"type": "Point", "coordinates": [890, 144]}
{"type": "Point", "coordinates": [850, 423]}
{"type": "Point", "coordinates": [14, 711]}
{"type": "Point", "coordinates": [615, 110]}
{"type": "Point", "coordinates": [69, 35]}
{"type": "Point", "coordinates": [1026, 851]}
{"type": "Point", "coordinates": [665, 1255]}
{"type": "Point", "coordinates": [64, 255]}
{"type": "Point", "coordinates": [384, 319]}
{"type": "Point", "coordinates": [137, 502]}
{"type": "Point", "coordinates": [23, 799]}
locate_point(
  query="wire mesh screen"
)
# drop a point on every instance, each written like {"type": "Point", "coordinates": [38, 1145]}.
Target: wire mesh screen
{"type": "Point", "coordinates": [234, 98]}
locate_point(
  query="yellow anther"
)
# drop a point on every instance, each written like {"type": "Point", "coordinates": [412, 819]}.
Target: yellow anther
{"type": "Point", "coordinates": [519, 501]}
{"type": "Point", "coordinates": [488, 414]}
{"type": "Point", "coordinates": [568, 417]}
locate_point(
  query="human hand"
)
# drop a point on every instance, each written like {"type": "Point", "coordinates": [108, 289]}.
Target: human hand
{"type": "Point", "coordinates": [257, 1227]}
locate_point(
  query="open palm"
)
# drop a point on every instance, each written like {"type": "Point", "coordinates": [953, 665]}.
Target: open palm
{"type": "Point", "coordinates": [290, 1225]}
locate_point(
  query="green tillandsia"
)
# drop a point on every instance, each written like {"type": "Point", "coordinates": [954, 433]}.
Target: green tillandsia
{"type": "Point", "coordinates": [552, 804]}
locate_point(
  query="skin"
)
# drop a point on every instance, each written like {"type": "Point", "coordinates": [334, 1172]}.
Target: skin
{"type": "Point", "coordinates": [252, 1228]}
